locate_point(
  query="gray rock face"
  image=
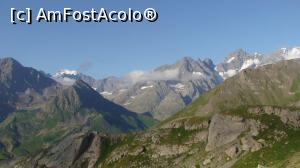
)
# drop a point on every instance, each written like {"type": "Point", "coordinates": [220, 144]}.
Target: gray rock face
{"type": "Point", "coordinates": [224, 129]}
{"type": "Point", "coordinates": [111, 84]}
{"type": "Point", "coordinates": [155, 97]}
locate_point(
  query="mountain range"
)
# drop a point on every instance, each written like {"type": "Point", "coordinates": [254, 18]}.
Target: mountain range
{"type": "Point", "coordinates": [169, 88]}
{"type": "Point", "coordinates": [243, 112]}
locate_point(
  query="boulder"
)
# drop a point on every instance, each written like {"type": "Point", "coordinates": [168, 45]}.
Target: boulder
{"type": "Point", "coordinates": [249, 144]}
{"type": "Point", "coordinates": [233, 151]}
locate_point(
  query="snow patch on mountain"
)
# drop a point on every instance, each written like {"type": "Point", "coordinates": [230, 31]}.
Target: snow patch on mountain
{"type": "Point", "coordinates": [126, 104]}
{"type": "Point", "coordinates": [230, 59]}
{"type": "Point", "coordinates": [146, 87]}
{"type": "Point", "coordinates": [106, 93]}
{"type": "Point", "coordinates": [250, 63]}
{"type": "Point", "coordinates": [197, 73]}
{"type": "Point", "coordinates": [228, 74]}
{"type": "Point", "coordinates": [178, 86]}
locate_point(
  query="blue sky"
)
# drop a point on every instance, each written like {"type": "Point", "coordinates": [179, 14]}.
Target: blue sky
{"type": "Point", "coordinates": [198, 28]}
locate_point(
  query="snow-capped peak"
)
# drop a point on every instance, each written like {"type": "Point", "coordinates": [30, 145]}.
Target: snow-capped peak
{"type": "Point", "coordinates": [66, 77]}
{"type": "Point", "coordinates": [292, 53]}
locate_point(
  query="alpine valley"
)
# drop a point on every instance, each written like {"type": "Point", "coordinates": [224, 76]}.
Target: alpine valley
{"type": "Point", "coordinates": [243, 112]}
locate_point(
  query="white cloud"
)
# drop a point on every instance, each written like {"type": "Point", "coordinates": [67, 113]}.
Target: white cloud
{"type": "Point", "coordinates": [65, 81]}
{"type": "Point", "coordinates": [140, 76]}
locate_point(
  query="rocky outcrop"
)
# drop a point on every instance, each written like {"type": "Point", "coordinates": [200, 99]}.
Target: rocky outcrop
{"type": "Point", "coordinates": [73, 151]}
{"type": "Point", "coordinates": [287, 116]}
{"type": "Point", "coordinates": [199, 137]}
{"type": "Point", "coordinates": [233, 151]}
{"type": "Point", "coordinates": [186, 123]}
{"type": "Point", "coordinates": [249, 144]}
{"type": "Point", "coordinates": [165, 150]}
{"type": "Point", "coordinates": [224, 129]}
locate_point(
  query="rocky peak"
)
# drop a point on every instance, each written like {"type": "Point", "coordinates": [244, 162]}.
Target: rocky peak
{"type": "Point", "coordinates": [18, 78]}
{"type": "Point", "coordinates": [209, 63]}
{"type": "Point", "coordinates": [9, 63]}
{"type": "Point", "coordinates": [185, 61]}
{"type": "Point", "coordinates": [80, 94]}
{"type": "Point", "coordinates": [236, 55]}
{"type": "Point", "coordinates": [68, 77]}
{"type": "Point", "coordinates": [7, 67]}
